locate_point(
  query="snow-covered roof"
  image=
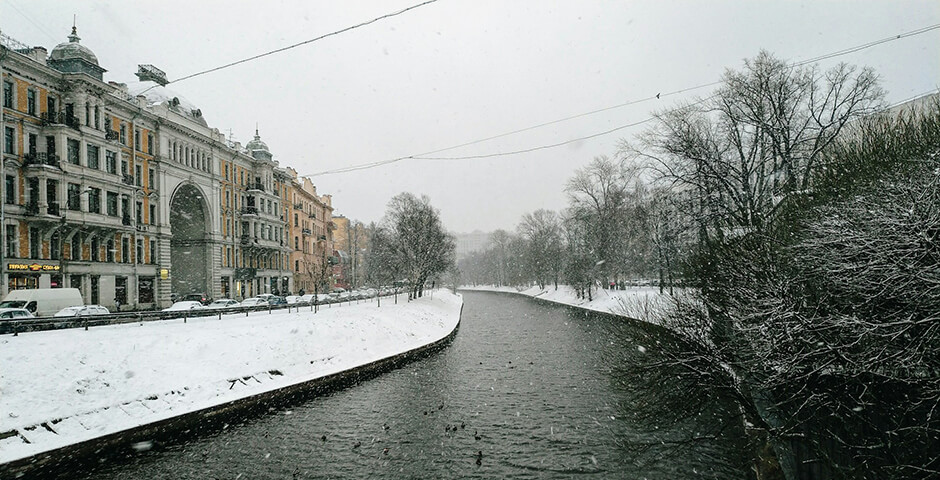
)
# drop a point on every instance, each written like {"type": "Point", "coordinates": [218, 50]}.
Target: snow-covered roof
{"type": "Point", "coordinates": [72, 49]}
{"type": "Point", "coordinates": [159, 95]}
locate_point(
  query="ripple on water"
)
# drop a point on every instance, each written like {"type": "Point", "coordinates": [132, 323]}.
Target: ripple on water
{"type": "Point", "coordinates": [541, 392]}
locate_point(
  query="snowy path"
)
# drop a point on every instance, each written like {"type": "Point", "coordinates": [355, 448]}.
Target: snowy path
{"type": "Point", "coordinates": [65, 386]}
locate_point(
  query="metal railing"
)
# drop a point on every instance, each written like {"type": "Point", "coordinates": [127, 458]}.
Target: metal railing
{"type": "Point", "coordinates": [38, 324]}
{"type": "Point", "coordinates": [41, 158]}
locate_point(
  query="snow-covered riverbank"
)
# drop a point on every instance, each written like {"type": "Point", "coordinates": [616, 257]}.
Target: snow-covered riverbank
{"type": "Point", "coordinates": [635, 302]}
{"type": "Point", "coordinates": [62, 387]}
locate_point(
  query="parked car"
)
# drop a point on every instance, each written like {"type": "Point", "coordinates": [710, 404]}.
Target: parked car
{"type": "Point", "coordinates": [82, 310]}
{"type": "Point", "coordinates": [198, 297]}
{"type": "Point", "coordinates": [223, 303]}
{"type": "Point", "coordinates": [291, 299]}
{"type": "Point", "coordinates": [43, 302]}
{"type": "Point", "coordinates": [276, 300]}
{"type": "Point", "coordinates": [185, 305]}
{"type": "Point", "coordinates": [253, 302]}
{"type": "Point", "coordinates": [8, 313]}
{"type": "Point", "coordinates": [308, 298]}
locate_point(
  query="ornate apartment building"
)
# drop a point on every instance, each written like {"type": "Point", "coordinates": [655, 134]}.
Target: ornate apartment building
{"type": "Point", "coordinates": [310, 230]}
{"type": "Point", "coordinates": [126, 193]}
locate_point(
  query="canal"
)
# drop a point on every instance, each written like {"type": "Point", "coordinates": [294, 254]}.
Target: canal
{"type": "Point", "coordinates": [526, 390]}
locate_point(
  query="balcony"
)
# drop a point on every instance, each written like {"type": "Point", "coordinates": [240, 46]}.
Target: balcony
{"type": "Point", "coordinates": [41, 158]}
{"type": "Point", "coordinates": [32, 208]}
{"type": "Point", "coordinates": [127, 179]}
{"type": "Point", "coordinates": [112, 135]}
{"type": "Point", "coordinates": [249, 240]}
{"type": "Point", "coordinates": [126, 220]}
{"type": "Point", "coordinates": [306, 231]}
{"type": "Point", "coordinates": [298, 206]}
{"type": "Point", "coordinates": [256, 186]}
{"type": "Point", "coordinates": [244, 273]}
{"type": "Point", "coordinates": [50, 118]}
{"type": "Point", "coordinates": [321, 238]}
{"type": "Point", "coordinates": [59, 118]}
{"type": "Point", "coordinates": [53, 209]}
{"type": "Point", "coordinates": [249, 210]}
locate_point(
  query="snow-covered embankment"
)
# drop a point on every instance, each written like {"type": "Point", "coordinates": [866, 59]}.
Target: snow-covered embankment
{"type": "Point", "coordinates": [640, 303]}
{"type": "Point", "coordinates": [61, 388]}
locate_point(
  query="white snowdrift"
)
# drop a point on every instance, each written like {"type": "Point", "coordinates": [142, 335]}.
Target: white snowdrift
{"type": "Point", "coordinates": [62, 387]}
{"type": "Point", "coordinates": [640, 303]}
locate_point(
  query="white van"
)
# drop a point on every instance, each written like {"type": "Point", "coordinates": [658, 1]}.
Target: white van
{"type": "Point", "coordinates": [43, 302]}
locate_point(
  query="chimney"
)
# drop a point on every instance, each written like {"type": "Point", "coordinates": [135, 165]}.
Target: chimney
{"type": "Point", "coordinates": [141, 101]}
{"type": "Point", "coordinates": [38, 54]}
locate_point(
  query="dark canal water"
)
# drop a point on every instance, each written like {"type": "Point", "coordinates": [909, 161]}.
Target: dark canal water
{"type": "Point", "coordinates": [526, 390]}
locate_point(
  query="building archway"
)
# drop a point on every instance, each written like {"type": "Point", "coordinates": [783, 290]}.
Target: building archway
{"type": "Point", "coordinates": [189, 247]}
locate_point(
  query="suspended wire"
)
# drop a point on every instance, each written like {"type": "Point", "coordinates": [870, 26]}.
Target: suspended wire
{"type": "Point", "coordinates": [321, 37]}
{"type": "Point", "coordinates": [867, 45]}
{"type": "Point", "coordinates": [424, 156]}
{"type": "Point", "coordinates": [649, 119]}
{"type": "Point", "coordinates": [427, 155]}
{"type": "Point", "coordinates": [30, 20]}
{"type": "Point", "coordinates": [305, 42]}
{"type": "Point", "coordinates": [560, 120]}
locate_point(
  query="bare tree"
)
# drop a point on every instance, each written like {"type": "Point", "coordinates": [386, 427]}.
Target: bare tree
{"type": "Point", "coordinates": [823, 323]}
{"type": "Point", "coordinates": [760, 137]}
{"type": "Point", "coordinates": [601, 196]}
{"type": "Point", "coordinates": [420, 245]}
{"type": "Point", "coordinates": [500, 240]}
{"type": "Point", "coordinates": [542, 233]}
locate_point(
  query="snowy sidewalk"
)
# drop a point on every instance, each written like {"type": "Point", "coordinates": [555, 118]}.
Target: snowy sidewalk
{"type": "Point", "coordinates": [62, 387]}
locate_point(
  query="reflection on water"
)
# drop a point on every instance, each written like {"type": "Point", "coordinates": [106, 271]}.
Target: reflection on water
{"type": "Point", "coordinates": [526, 390]}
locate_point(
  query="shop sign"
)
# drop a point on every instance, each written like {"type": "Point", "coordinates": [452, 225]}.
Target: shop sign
{"type": "Point", "coordinates": [32, 267]}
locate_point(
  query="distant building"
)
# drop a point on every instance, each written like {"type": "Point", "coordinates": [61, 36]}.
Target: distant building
{"type": "Point", "coordinates": [468, 243]}
{"type": "Point", "coordinates": [352, 242]}
{"type": "Point", "coordinates": [310, 225]}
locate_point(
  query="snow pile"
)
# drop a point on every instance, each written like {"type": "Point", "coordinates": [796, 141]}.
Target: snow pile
{"type": "Point", "coordinates": [640, 303]}
{"type": "Point", "coordinates": [62, 387]}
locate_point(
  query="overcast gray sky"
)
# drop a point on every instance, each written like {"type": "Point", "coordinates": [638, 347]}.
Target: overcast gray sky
{"type": "Point", "coordinates": [456, 71]}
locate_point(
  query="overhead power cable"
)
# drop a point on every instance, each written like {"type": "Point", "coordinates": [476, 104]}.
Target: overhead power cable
{"type": "Point", "coordinates": [305, 42]}
{"type": "Point", "coordinates": [30, 20]}
{"type": "Point", "coordinates": [867, 45]}
{"type": "Point", "coordinates": [427, 155]}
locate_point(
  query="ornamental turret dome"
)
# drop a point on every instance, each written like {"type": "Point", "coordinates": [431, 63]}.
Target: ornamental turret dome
{"type": "Point", "coordinates": [73, 57]}
{"type": "Point", "coordinates": [257, 144]}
